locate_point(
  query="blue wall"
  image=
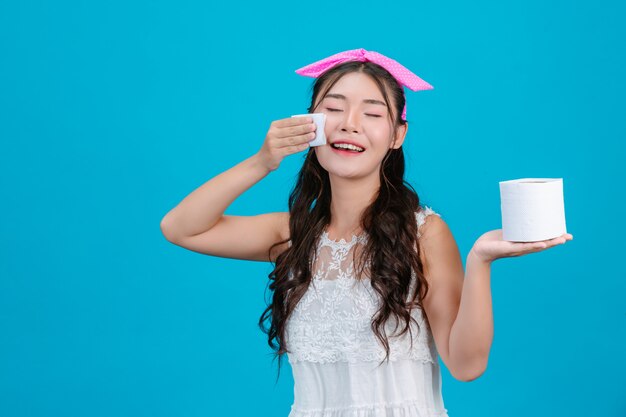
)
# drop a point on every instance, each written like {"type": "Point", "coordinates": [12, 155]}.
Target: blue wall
{"type": "Point", "coordinates": [111, 112]}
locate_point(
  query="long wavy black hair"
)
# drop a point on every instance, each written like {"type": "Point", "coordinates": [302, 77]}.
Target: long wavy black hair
{"type": "Point", "coordinates": [392, 247]}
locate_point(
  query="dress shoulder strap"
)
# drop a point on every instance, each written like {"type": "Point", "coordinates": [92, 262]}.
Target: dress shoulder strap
{"type": "Point", "coordinates": [421, 214]}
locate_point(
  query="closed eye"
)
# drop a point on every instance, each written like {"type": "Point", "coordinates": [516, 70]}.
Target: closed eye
{"type": "Point", "coordinates": [367, 114]}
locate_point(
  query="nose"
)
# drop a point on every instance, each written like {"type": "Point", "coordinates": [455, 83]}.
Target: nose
{"type": "Point", "coordinates": [351, 121]}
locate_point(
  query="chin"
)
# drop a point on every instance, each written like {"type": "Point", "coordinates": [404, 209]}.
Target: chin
{"type": "Point", "coordinates": [334, 164]}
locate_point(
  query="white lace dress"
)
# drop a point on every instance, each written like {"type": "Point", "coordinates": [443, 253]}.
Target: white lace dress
{"type": "Point", "coordinates": [334, 354]}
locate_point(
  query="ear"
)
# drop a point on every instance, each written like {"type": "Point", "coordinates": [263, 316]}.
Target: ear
{"type": "Point", "coordinates": [402, 130]}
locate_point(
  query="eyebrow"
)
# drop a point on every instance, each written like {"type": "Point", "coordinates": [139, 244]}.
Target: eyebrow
{"type": "Point", "coordinates": [369, 100]}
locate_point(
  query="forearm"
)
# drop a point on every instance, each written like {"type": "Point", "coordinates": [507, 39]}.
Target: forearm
{"type": "Point", "coordinates": [202, 209]}
{"type": "Point", "coordinates": [472, 332]}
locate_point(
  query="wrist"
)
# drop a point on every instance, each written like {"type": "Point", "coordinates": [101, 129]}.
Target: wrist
{"type": "Point", "coordinates": [475, 258]}
{"type": "Point", "coordinates": [258, 162]}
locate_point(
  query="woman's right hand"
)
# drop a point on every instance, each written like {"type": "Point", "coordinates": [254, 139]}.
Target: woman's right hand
{"type": "Point", "coordinates": [285, 137]}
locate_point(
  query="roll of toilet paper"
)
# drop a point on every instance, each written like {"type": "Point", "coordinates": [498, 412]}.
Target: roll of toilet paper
{"type": "Point", "coordinates": [320, 121]}
{"type": "Point", "coordinates": [533, 209]}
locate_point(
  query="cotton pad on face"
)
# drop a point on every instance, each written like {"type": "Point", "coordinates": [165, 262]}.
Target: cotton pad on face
{"type": "Point", "coordinates": [320, 121]}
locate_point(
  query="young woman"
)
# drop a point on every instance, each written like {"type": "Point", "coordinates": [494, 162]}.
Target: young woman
{"type": "Point", "coordinates": [368, 285]}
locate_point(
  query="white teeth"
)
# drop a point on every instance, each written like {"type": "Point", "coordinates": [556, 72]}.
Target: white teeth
{"type": "Point", "coordinates": [348, 146]}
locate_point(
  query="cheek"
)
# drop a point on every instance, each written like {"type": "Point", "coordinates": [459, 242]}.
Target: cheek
{"type": "Point", "coordinates": [330, 126]}
{"type": "Point", "coordinates": [331, 121]}
{"type": "Point", "coordinates": [379, 133]}
{"type": "Point", "coordinates": [323, 154]}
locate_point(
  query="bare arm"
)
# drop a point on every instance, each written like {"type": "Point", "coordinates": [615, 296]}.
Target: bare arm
{"type": "Point", "coordinates": [471, 335]}
{"type": "Point", "coordinates": [443, 269]}
{"type": "Point", "coordinates": [204, 207]}
{"type": "Point", "coordinates": [198, 222]}
{"type": "Point", "coordinates": [459, 305]}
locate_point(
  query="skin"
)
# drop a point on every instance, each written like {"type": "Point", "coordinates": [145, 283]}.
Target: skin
{"type": "Point", "coordinates": [354, 179]}
{"type": "Point", "coordinates": [458, 304]}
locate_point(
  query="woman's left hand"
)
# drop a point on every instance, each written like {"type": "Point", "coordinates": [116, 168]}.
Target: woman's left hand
{"type": "Point", "coordinates": [490, 246]}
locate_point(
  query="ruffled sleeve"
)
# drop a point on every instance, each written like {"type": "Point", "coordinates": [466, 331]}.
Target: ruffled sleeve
{"type": "Point", "coordinates": [420, 217]}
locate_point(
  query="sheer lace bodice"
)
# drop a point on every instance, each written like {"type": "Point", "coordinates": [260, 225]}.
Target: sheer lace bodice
{"type": "Point", "coordinates": [332, 322]}
{"type": "Point", "coordinates": [330, 339]}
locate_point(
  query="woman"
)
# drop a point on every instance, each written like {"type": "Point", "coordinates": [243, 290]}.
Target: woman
{"type": "Point", "coordinates": [368, 285]}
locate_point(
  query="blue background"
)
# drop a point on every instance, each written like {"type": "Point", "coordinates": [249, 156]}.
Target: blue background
{"type": "Point", "coordinates": [111, 113]}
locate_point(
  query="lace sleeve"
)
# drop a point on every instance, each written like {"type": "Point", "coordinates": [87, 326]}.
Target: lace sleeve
{"type": "Point", "coordinates": [421, 215]}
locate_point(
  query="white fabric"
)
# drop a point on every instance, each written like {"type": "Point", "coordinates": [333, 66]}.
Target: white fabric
{"type": "Point", "coordinates": [335, 355]}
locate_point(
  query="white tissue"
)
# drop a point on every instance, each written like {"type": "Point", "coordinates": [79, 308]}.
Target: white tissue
{"type": "Point", "coordinates": [320, 121]}
{"type": "Point", "coordinates": [533, 209]}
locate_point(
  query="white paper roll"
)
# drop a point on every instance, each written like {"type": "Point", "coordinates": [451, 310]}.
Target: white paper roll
{"type": "Point", "coordinates": [533, 209]}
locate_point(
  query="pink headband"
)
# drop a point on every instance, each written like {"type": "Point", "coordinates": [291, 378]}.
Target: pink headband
{"type": "Point", "coordinates": [400, 73]}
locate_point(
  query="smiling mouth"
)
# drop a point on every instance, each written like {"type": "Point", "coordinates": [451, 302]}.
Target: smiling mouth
{"type": "Point", "coordinates": [345, 152]}
{"type": "Point", "coordinates": [352, 149]}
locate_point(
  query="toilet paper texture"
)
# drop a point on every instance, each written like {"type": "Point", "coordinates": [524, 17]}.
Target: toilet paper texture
{"type": "Point", "coordinates": [533, 209]}
{"type": "Point", "coordinates": [320, 121]}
